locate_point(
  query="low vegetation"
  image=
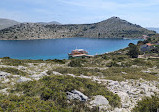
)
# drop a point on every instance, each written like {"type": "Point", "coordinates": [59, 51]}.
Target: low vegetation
{"type": "Point", "coordinates": [115, 66]}
{"type": "Point", "coordinates": [16, 62]}
{"type": "Point", "coordinates": [12, 62]}
{"type": "Point", "coordinates": [148, 104]}
{"type": "Point", "coordinates": [49, 94]}
{"type": "Point", "coordinates": [113, 73]}
{"type": "Point", "coordinates": [14, 71]}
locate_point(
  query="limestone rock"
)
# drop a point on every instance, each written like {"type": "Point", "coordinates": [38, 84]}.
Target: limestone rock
{"type": "Point", "coordinates": [120, 110]}
{"type": "Point", "coordinates": [36, 77]}
{"type": "Point", "coordinates": [6, 80]}
{"type": "Point", "coordinates": [4, 74]}
{"type": "Point", "coordinates": [23, 79]}
{"type": "Point", "coordinates": [22, 68]}
{"type": "Point", "coordinates": [4, 91]}
{"type": "Point", "coordinates": [112, 83]}
{"type": "Point", "coordinates": [74, 94]}
{"type": "Point", "coordinates": [15, 76]}
{"type": "Point", "coordinates": [56, 73]}
{"type": "Point", "coordinates": [44, 73]}
{"type": "Point", "coordinates": [99, 100]}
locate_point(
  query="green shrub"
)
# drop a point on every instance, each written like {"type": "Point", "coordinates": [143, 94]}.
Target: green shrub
{"type": "Point", "coordinates": [76, 71]}
{"type": "Point", "coordinates": [105, 57]}
{"type": "Point", "coordinates": [112, 64]}
{"type": "Point", "coordinates": [13, 103]}
{"type": "Point", "coordinates": [142, 62]}
{"type": "Point", "coordinates": [133, 51]}
{"type": "Point", "coordinates": [57, 61]}
{"type": "Point", "coordinates": [54, 88]}
{"type": "Point", "coordinates": [6, 58]}
{"type": "Point", "coordinates": [12, 62]}
{"type": "Point", "coordinates": [147, 104]}
{"type": "Point", "coordinates": [14, 71]}
{"type": "Point", "coordinates": [76, 62]}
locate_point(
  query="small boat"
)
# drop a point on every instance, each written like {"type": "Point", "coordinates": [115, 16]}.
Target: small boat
{"type": "Point", "coordinates": [78, 53]}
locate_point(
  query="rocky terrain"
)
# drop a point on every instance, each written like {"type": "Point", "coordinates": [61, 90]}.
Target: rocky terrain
{"type": "Point", "coordinates": [113, 27]}
{"type": "Point", "coordinates": [49, 23]}
{"type": "Point", "coordinates": [110, 82]}
{"type": "Point", "coordinates": [6, 23]}
{"type": "Point", "coordinates": [130, 91]}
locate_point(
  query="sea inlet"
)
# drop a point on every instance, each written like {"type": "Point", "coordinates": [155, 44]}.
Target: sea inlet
{"type": "Point", "coordinates": [59, 48]}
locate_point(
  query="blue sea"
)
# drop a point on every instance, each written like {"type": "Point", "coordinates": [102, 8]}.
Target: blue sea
{"type": "Point", "coordinates": [59, 48]}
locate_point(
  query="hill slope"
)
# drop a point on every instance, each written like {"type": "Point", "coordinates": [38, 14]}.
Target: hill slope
{"type": "Point", "coordinates": [113, 27]}
{"type": "Point", "coordinates": [50, 23]}
{"type": "Point", "coordinates": [5, 23]}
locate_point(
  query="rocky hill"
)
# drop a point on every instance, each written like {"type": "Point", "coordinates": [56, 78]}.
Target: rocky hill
{"type": "Point", "coordinates": [5, 23]}
{"type": "Point", "coordinates": [50, 23]}
{"type": "Point", "coordinates": [113, 27]}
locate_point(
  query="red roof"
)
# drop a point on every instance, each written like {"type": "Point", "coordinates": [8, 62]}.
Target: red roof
{"type": "Point", "coordinates": [149, 44]}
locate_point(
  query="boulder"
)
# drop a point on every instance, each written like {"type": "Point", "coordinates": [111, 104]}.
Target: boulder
{"type": "Point", "coordinates": [145, 87]}
{"type": "Point", "coordinates": [101, 102]}
{"type": "Point", "coordinates": [148, 71]}
{"type": "Point", "coordinates": [76, 95]}
{"type": "Point", "coordinates": [6, 80]}
{"type": "Point", "coordinates": [36, 76]}
{"type": "Point", "coordinates": [4, 91]}
{"type": "Point", "coordinates": [15, 76]}
{"type": "Point", "coordinates": [114, 83]}
{"type": "Point", "coordinates": [153, 89]}
{"type": "Point", "coordinates": [4, 74]}
{"type": "Point", "coordinates": [22, 68]}
{"type": "Point", "coordinates": [23, 79]}
{"type": "Point", "coordinates": [71, 75]}
{"type": "Point", "coordinates": [123, 72]}
{"type": "Point", "coordinates": [120, 110]}
{"type": "Point", "coordinates": [125, 100]}
{"type": "Point", "coordinates": [56, 73]}
{"type": "Point", "coordinates": [44, 73]}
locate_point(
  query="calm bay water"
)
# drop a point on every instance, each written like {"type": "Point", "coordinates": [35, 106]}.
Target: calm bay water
{"type": "Point", "coordinates": [59, 48]}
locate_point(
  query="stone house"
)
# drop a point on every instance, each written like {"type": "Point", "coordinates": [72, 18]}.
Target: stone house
{"type": "Point", "coordinates": [146, 47]}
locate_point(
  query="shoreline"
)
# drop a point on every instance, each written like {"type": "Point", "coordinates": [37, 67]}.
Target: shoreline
{"type": "Point", "coordinates": [96, 53]}
{"type": "Point", "coordinates": [73, 37]}
{"type": "Point", "coordinates": [62, 59]}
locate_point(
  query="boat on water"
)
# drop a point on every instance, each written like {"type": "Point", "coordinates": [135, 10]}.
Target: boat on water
{"type": "Point", "coordinates": [79, 53]}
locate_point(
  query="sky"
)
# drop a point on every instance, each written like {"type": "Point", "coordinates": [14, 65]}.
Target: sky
{"type": "Point", "coordinates": [141, 12]}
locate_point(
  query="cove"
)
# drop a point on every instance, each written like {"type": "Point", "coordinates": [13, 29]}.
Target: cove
{"type": "Point", "coordinates": [59, 48]}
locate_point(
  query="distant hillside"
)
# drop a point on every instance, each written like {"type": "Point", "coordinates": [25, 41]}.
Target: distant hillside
{"type": "Point", "coordinates": [113, 27]}
{"type": "Point", "coordinates": [154, 29]}
{"type": "Point", "coordinates": [50, 23]}
{"type": "Point", "coordinates": [5, 23]}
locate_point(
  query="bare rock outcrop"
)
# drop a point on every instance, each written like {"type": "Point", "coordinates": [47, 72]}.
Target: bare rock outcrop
{"type": "Point", "coordinates": [76, 95]}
